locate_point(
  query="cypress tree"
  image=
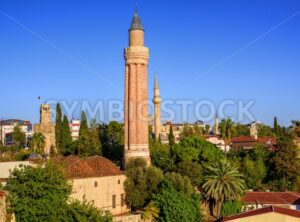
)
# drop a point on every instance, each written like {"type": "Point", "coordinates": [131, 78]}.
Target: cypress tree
{"type": "Point", "coordinates": [275, 128]}
{"type": "Point", "coordinates": [19, 138]}
{"type": "Point", "coordinates": [94, 140]}
{"type": "Point", "coordinates": [171, 137]}
{"type": "Point", "coordinates": [83, 140]}
{"type": "Point", "coordinates": [58, 126]}
{"type": "Point", "coordinates": [66, 137]}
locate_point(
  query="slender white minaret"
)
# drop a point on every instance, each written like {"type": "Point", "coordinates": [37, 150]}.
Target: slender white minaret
{"type": "Point", "coordinates": [217, 125]}
{"type": "Point", "coordinates": [156, 101]}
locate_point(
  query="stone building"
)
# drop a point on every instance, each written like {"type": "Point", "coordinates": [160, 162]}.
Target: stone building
{"type": "Point", "coordinates": [136, 142]}
{"type": "Point", "coordinates": [177, 128]}
{"type": "Point", "coordinates": [249, 142]}
{"type": "Point", "coordinates": [46, 127]}
{"type": "Point", "coordinates": [98, 180]}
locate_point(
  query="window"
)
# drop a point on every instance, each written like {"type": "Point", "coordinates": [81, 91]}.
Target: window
{"type": "Point", "coordinates": [122, 200]}
{"type": "Point", "coordinates": [119, 181]}
{"type": "Point", "coordinates": [113, 201]}
{"type": "Point", "coordinates": [95, 184]}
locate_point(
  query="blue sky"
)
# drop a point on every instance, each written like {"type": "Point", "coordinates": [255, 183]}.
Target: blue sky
{"type": "Point", "coordinates": [73, 50]}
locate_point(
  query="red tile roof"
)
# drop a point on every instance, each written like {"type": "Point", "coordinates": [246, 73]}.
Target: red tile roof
{"type": "Point", "coordinates": [243, 139]}
{"type": "Point", "coordinates": [270, 140]}
{"type": "Point", "coordinates": [96, 166]}
{"type": "Point", "coordinates": [289, 212]}
{"type": "Point", "coordinates": [248, 141]}
{"type": "Point", "coordinates": [271, 198]}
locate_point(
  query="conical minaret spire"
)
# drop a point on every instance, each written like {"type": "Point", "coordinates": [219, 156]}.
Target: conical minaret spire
{"type": "Point", "coordinates": [136, 23]}
{"type": "Point", "coordinates": [156, 101]}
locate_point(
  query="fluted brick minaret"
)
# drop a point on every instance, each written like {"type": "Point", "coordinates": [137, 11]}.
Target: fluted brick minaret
{"type": "Point", "coordinates": [136, 94]}
{"type": "Point", "coordinates": [156, 101]}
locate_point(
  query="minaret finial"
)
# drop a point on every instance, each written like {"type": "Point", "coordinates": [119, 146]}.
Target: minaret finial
{"type": "Point", "coordinates": [155, 81]}
{"type": "Point", "coordinates": [136, 9]}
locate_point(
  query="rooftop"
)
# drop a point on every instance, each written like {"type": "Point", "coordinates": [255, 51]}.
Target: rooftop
{"type": "Point", "coordinates": [269, 140]}
{"type": "Point", "coordinates": [14, 121]}
{"type": "Point", "coordinates": [96, 166]}
{"type": "Point", "coordinates": [271, 198]}
{"type": "Point", "coordinates": [270, 209]}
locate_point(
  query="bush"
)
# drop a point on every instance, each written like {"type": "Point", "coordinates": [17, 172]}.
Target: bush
{"type": "Point", "coordinates": [231, 207]}
{"type": "Point", "coordinates": [23, 154]}
{"type": "Point", "coordinates": [87, 212]}
{"type": "Point", "coordinates": [176, 206]}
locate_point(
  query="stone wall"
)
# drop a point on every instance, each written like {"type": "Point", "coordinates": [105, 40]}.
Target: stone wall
{"type": "Point", "coordinates": [48, 130]}
{"type": "Point", "coordinates": [106, 192]}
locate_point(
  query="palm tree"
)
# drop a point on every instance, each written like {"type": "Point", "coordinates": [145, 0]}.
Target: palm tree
{"type": "Point", "coordinates": [38, 142]}
{"type": "Point", "coordinates": [221, 183]}
{"type": "Point", "coordinates": [296, 127]}
{"type": "Point", "coordinates": [227, 129]}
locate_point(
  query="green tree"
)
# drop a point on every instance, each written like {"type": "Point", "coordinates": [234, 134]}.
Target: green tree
{"type": "Point", "coordinates": [94, 140]}
{"type": "Point", "coordinates": [296, 127]}
{"type": "Point", "coordinates": [192, 170]}
{"type": "Point", "coordinates": [38, 142]}
{"type": "Point", "coordinates": [241, 130]}
{"type": "Point", "coordinates": [264, 131]}
{"type": "Point", "coordinates": [112, 140]}
{"type": "Point", "coordinates": [194, 148]}
{"type": "Point", "coordinates": [151, 212]}
{"type": "Point", "coordinates": [175, 206]}
{"type": "Point", "coordinates": [171, 137]}
{"type": "Point", "coordinates": [83, 139]}
{"type": "Point", "coordinates": [180, 183]}
{"type": "Point", "coordinates": [18, 138]}
{"type": "Point", "coordinates": [66, 147]}
{"type": "Point", "coordinates": [38, 194]}
{"type": "Point", "coordinates": [58, 126]}
{"type": "Point", "coordinates": [276, 127]}
{"type": "Point", "coordinates": [86, 212]}
{"type": "Point", "coordinates": [255, 172]}
{"type": "Point", "coordinates": [141, 183]}
{"type": "Point", "coordinates": [231, 207]}
{"type": "Point", "coordinates": [161, 156]}
{"type": "Point", "coordinates": [227, 130]}
{"type": "Point", "coordinates": [222, 183]}
{"type": "Point", "coordinates": [187, 131]}
{"type": "Point", "coordinates": [286, 163]}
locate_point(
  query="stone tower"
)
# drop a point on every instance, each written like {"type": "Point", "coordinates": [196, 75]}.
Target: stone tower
{"type": "Point", "coordinates": [217, 132]}
{"type": "Point", "coordinates": [46, 127]}
{"type": "Point", "coordinates": [45, 114]}
{"type": "Point", "coordinates": [156, 101]}
{"type": "Point", "coordinates": [136, 94]}
{"type": "Point", "coordinates": [254, 130]}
